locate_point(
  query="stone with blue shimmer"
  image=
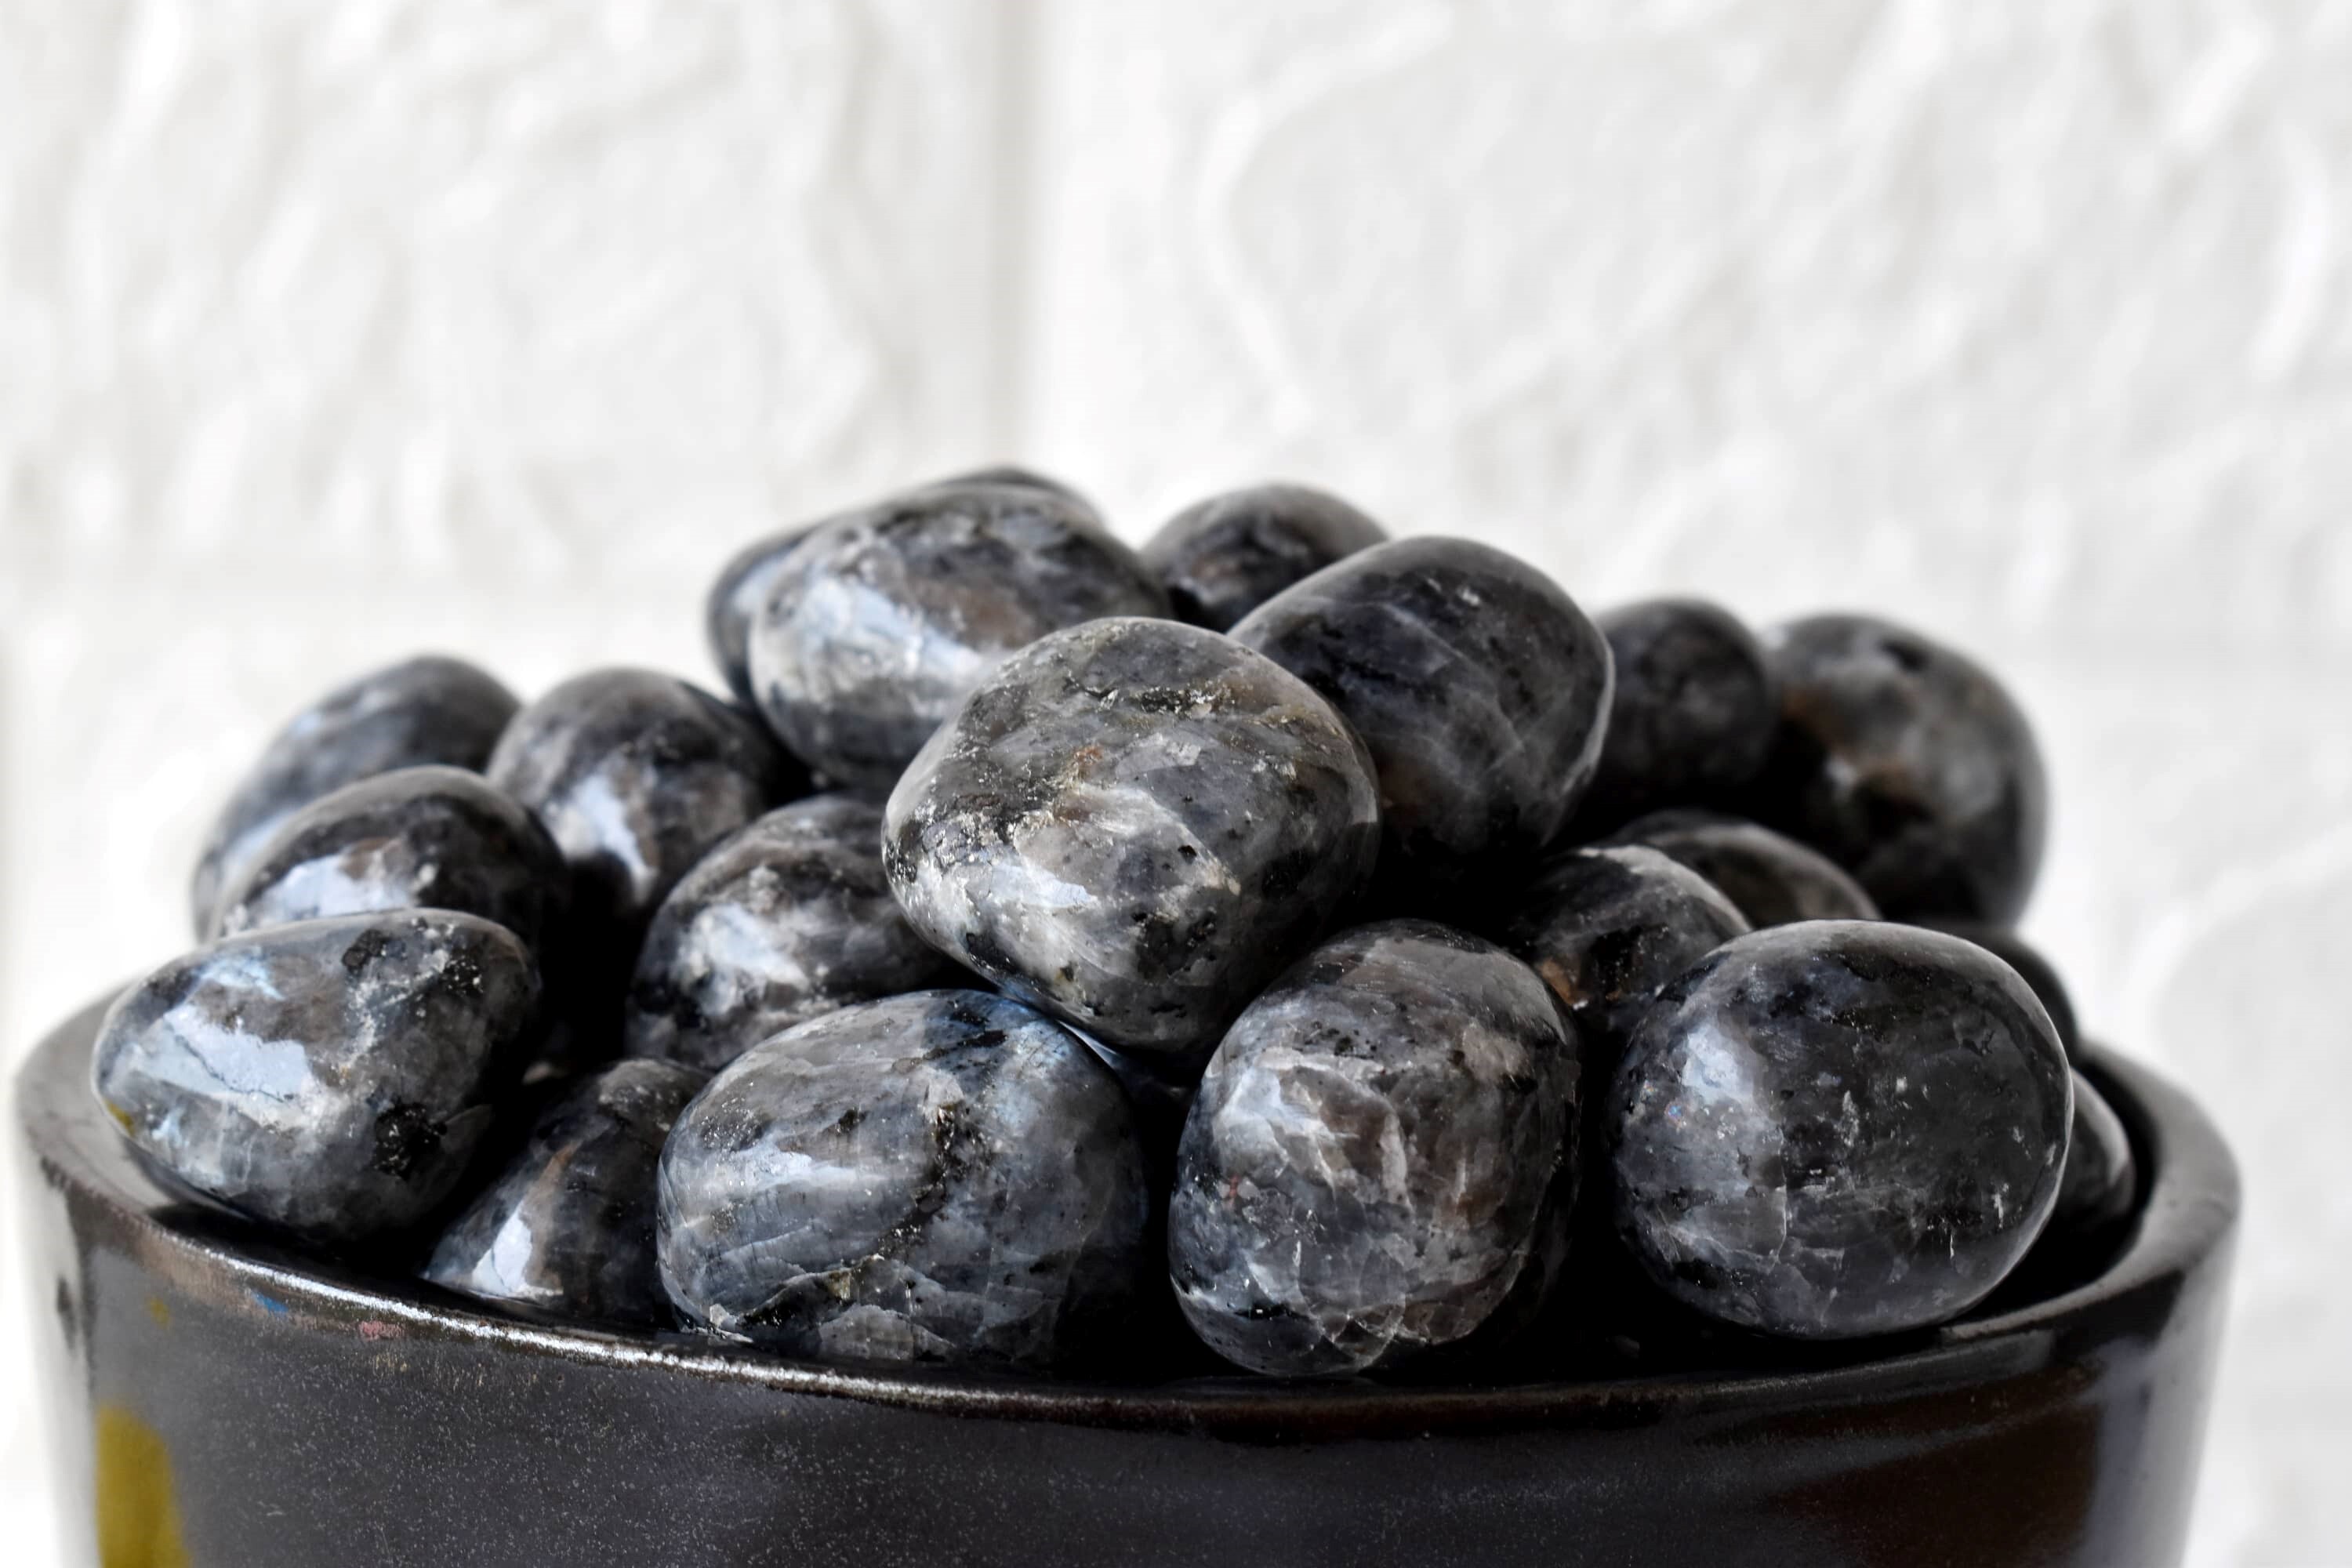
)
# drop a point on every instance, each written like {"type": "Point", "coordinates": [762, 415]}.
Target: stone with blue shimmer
{"type": "Point", "coordinates": [1692, 717]}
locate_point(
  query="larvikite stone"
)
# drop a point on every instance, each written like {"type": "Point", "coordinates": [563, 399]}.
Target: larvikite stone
{"type": "Point", "coordinates": [1221, 558]}
{"type": "Point", "coordinates": [1380, 1155]}
{"type": "Point", "coordinates": [940, 1176]}
{"type": "Point", "coordinates": [1839, 1129]}
{"type": "Point", "coordinates": [431, 838]}
{"type": "Point", "coordinates": [1774, 879]}
{"type": "Point", "coordinates": [1134, 825]}
{"type": "Point", "coordinates": [879, 623]}
{"type": "Point", "coordinates": [332, 1078]}
{"type": "Point", "coordinates": [1607, 927]}
{"type": "Point", "coordinates": [1693, 714]}
{"type": "Point", "coordinates": [1480, 687]}
{"type": "Point", "coordinates": [567, 1227]}
{"type": "Point", "coordinates": [789, 918]}
{"type": "Point", "coordinates": [2028, 961]}
{"type": "Point", "coordinates": [2100, 1183]}
{"type": "Point", "coordinates": [1908, 765]}
{"type": "Point", "coordinates": [426, 710]}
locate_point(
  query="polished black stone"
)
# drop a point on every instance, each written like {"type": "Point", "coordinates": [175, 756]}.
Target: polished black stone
{"type": "Point", "coordinates": [1134, 825]}
{"type": "Point", "coordinates": [1908, 765]}
{"type": "Point", "coordinates": [2027, 960]}
{"type": "Point", "coordinates": [1838, 1129]}
{"type": "Point", "coordinates": [426, 710]}
{"type": "Point", "coordinates": [877, 625]}
{"type": "Point", "coordinates": [332, 1078]}
{"type": "Point", "coordinates": [734, 601]}
{"type": "Point", "coordinates": [1222, 557]}
{"type": "Point", "coordinates": [1381, 1159]}
{"type": "Point", "coordinates": [940, 1176]}
{"type": "Point", "coordinates": [1480, 687]}
{"type": "Point", "coordinates": [1693, 712]}
{"type": "Point", "coordinates": [2100, 1185]}
{"type": "Point", "coordinates": [1774, 879]}
{"type": "Point", "coordinates": [786, 919]}
{"type": "Point", "coordinates": [567, 1227]}
{"type": "Point", "coordinates": [430, 837]}
{"type": "Point", "coordinates": [1606, 927]}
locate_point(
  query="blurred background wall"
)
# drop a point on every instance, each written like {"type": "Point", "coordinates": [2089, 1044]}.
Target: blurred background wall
{"type": "Point", "coordinates": [331, 332]}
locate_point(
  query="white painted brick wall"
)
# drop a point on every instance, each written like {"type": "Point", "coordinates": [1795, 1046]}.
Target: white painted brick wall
{"type": "Point", "coordinates": [328, 332]}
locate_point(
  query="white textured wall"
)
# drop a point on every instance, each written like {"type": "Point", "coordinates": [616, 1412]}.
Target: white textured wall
{"type": "Point", "coordinates": [330, 332]}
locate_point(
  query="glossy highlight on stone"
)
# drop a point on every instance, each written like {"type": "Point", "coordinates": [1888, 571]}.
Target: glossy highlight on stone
{"type": "Point", "coordinates": [878, 624]}
{"type": "Point", "coordinates": [1774, 879]}
{"type": "Point", "coordinates": [1221, 558]}
{"type": "Point", "coordinates": [421, 710]}
{"type": "Point", "coordinates": [1908, 765]}
{"type": "Point", "coordinates": [786, 919]}
{"type": "Point", "coordinates": [1838, 1129]}
{"type": "Point", "coordinates": [567, 1228]}
{"type": "Point", "coordinates": [1381, 1158]}
{"type": "Point", "coordinates": [430, 837]}
{"type": "Point", "coordinates": [941, 1176]}
{"type": "Point", "coordinates": [1693, 711]}
{"type": "Point", "coordinates": [332, 1078]}
{"type": "Point", "coordinates": [1479, 686]}
{"type": "Point", "coordinates": [1134, 825]}
{"type": "Point", "coordinates": [734, 602]}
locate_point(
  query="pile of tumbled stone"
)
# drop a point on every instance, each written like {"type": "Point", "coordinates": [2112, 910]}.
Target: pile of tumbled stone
{"type": "Point", "coordinates": [1338, 944]}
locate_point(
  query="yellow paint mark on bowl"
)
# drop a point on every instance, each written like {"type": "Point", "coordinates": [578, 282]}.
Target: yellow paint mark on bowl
{"type": "Point", "coordinates": [160, 1310]}
{"type": "Point", "coordinates": [138, 1519]}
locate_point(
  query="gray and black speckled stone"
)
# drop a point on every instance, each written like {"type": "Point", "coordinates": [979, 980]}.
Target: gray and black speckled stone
{"type": "Point", "coordinates": [421, 710]}
{"type": "Point", "coordinates": [1908, 765]}
{"type": "Point", "coordinates": [2101, 1182]}
{"type": "Point", "coordinates": [332, 1078]}
{"type": "Point", "coordinates": [2028, 961]}
{"type": "Point", "coordinates": [1480, 687]}
{"type": "Point", "coordinates": [1774, 879]}
{"type": "Point", "coordinates": [567, 1227]}
{"type": "Point", "coordinates": [1606, 927]}
{"type": "Point", "coordinates": [1693, 714]}
{"type": "Point", "coordinates": [941, 1176]}
{"type": "Point", "coordinates": [788, 918]}
{"type": "Point", "coordinates": [431, 838]}
{"type": "Point", "coordinates": [1381, 1157]}
{"type": "Point", "coordinates": [1839, 1129]}
{"type": "Point", "coordinates": [879, 623]}
{"type": "Point", "coordinates": [1134, 825]}
{"type": "Point", "coordinates": [1221, 558]}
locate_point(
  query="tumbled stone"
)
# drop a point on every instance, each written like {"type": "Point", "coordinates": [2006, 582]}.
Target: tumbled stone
{"type": "Point", "coordinates": [743, 585]}
{"type": "Point", "coordinates": [1774, 879]}
{"type": "Point", "coordinates": [1838, 1129]}
{"type": "Point", "coordinates": [567, 1227]}
{"type": "Point", "coordinates": [1134, 825]}
{"type": "Point", "coordinates": [1381, 1158]}
{"type": "Point", "coordinates": [1221, 558]}
{"type": "Point", "coordinates": [1908, 765]}
{"type": "Point", "coordinates": [421, 710]}
{"type": "Point", "coordinates": [2027, 960]}
{"type": "Point", "coordinates": [430, 837]}
{"type": "Point", "coordinates": [1479, 686]}
{"type": "Point", "coordinates": [788, 918]}
{"type": "Point", "coordinates": [940, 1176]}
{"type": "Point", "coordinates": [332, 1078]}
{"type": "Point", "coordinates": [1693, 714]}
{"type": "Point", "coordinates": [878, 624]}
{"type": "Point", "coordinates": [2100, 1185]}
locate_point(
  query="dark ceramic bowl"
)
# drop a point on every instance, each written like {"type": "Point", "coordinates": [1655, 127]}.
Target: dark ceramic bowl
{"type": "Point", "coordinates": [225, 1406]}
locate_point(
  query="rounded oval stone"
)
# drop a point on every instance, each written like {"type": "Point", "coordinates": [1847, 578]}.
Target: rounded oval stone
{"type": "Point", "coordinates": [421, 710]}
{"type": "Point", "coordinates": [332, 1078]}
{"type": "Point", "coordinates": [1134, 825]}
{"type": "Point", "coordinates": [2028, 961]}
{"type": "Point", "coordinates": [431, 838]}
{"type": "Point", "coordinates": [1908, 765]}
{"type": "Point", "coordinates": [1479, 686]}
{"type": "Point", "coordinates": [1607, 927]}
{"type": "Point", "coordinates": [1692, 717]}
{"type": "Point", "coordinates": [1380, 1152]}
{"type": "Point", "coordinates": [1221, 558]}
{"type": "Point", "coordinates": [568, 1226]}
{"type": "Point", "coordinates": [941, 1176]}
{"type": "Point", "coordinates": [787, 918]}
{"type": "Point", "coordinates": [2100, 1183]}
{"type": "Point", "coordinates": [743, 585]}
{"type": "Point", "coordinates": [1839, 1129]}
{"type": "Point", "coordinates": [1774, 879]}
{"type": "Point", "coordinates": [879, 623]}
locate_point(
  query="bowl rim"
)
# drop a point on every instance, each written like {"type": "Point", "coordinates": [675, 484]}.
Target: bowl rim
{"type": "Point", "coordinates": [2183, 1228]}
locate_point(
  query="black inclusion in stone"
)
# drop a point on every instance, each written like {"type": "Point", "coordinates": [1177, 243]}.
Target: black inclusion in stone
{"type": "Point", "coordinates": [1774, 879]}
{"type": "Point", "coordinates": [1379, 1162]}
{"type": "Point", "coordinates": [1839, 1129]}
{"type": "Point", "coordinates": [1693, 712]}
{"type": "Point", "coordinates": [1222, 557]}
